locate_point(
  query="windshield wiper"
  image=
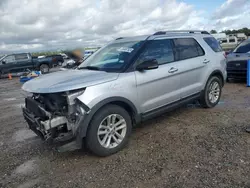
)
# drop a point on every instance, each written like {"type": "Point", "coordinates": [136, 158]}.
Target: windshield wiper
{"type": "Point", "coordinates": [89, 68]}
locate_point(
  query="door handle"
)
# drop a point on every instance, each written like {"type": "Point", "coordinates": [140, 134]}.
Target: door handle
{"type": "Point", "coordinates": [206, 61]}
{"type": "Point", "coordinates": [172, 70]}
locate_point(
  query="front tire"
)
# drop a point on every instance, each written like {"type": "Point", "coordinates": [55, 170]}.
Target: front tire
{"type": "Point", "coordinates": [109, 130]}
{"type": "Point", "coordinates": [212, 92]}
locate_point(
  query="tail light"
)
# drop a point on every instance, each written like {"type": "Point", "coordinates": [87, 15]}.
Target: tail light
{"type": "Point", "coordinates": [225, 54]}
{"type": "Point", "coordinates": [54, 59]}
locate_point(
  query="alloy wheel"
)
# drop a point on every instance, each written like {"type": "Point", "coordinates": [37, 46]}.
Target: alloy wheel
{"type": "Point", "coordinates": [112, 130]}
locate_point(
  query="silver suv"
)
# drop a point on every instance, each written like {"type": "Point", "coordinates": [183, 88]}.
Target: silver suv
{"type": "Point", "coordinates": [126, 82]}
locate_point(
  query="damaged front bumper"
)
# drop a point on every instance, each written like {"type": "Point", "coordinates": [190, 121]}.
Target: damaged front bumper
{"type": "Point", "coordinates": [52, 128]}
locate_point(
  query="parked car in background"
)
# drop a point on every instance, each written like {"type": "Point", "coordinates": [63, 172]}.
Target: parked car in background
{"type": "Point", "coordinates": [64, 56]}
{"type": "Point", "coordinates": [58, 58]}
{"type": "Point", "coordinates": [229, 43]}
{"type": "Point", "coordinates": [128, 81]}
{"type": "Point", "coordinates": [14, 63]}
{"type": "Point", "coordinates": [237, 61]}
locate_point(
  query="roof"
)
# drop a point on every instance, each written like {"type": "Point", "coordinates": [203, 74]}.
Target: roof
{"type": "Point", "coordinates": [160, 34]}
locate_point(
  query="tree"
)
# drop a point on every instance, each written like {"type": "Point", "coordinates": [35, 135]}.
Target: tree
{"type": "Point", "coordinates": [213, 31]}
{"type": "Point", "coordinates": [243, 30]}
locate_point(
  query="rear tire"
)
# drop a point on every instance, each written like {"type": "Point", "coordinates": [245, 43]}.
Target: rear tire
{"type": "Point", "coordinates": [212, 92]}
{"type": "Point", "coordinates": [60, 63]}
{"type": "Point", "coordinates": [106, 135]}
{"type": "Point", "coordinates": [44, 68]}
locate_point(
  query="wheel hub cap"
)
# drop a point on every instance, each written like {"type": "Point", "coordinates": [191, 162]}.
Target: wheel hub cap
{"type": "Point", "coordinates": [214, 92]}
{"type": "Point", "coordinates": [112, 131]}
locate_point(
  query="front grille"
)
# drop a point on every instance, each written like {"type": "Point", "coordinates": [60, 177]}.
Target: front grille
{"type": "Point", "coordinates": [237, 64]}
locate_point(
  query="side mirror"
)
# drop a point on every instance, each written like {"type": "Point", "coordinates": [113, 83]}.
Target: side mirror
{"type": "Point", "coordinates": [148, 65]}
{"type": "Point", "coordinates": [3, 62]}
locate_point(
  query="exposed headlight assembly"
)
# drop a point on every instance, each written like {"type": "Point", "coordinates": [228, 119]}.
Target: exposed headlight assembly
{"type": "Point", "coordinates": [71, 96]}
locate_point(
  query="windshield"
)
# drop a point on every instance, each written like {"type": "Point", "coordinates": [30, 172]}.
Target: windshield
{"type": "Point", "coordinates": [112, 58]}
{"type": "Point", "coordinates": [243, 47]}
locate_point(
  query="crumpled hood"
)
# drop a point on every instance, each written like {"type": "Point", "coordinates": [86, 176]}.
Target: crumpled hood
{"type": "Point", "coordinates": [67, 80]}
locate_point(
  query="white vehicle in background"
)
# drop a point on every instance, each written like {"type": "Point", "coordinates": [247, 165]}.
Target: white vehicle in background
{"type": "Point", "coordinates": [64, 55]}
{"type": "Point", "coordinates": [41, 56]}
{"type": "Point", "coordinates": [229, 43]}
{"type": "Point", "coordinates": [88, 53]}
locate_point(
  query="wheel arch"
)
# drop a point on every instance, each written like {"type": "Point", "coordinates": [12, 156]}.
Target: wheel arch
{"type": "Point", "coordinates": [44, 63]}
{"type": "Point", "coordinates": [119, 101]}
{"type": "Point", "coordinates": [219, 74]}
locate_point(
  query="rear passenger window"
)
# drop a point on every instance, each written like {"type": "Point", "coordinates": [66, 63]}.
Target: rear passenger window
{"type": "Point", "coordinates": [20, 57]}
{"type": "Point", "coordinates": [213, 43]}
{"type": "Point", "coordinates": [161, 50]}
{"type": "Point", "coordinates": [231, 40]}
{"type": "Point", "coordinates": [187, 48]}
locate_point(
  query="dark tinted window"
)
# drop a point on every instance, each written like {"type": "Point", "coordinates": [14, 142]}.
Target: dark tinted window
{"type": "Point", "coordinates": [223, 41]}
{"type": "Point", "coordinates": [161, 50]}
{"type": "Point", "coordinates": [231, 40]}
{"type": "Point", "coordinates": [21, 57]}
{"type": "Point", "coordinates": [213, 43]}
{"type": "Point", "coordinates": [244, 47]}
{"type": "Point", "coordinates": [187, 48]}
{"type": "Point", "coordinates": [9, 59]}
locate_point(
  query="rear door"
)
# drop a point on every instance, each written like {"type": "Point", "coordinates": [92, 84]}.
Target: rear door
{"type": "Point", "coordinates": [192, 61]}
{"type": "Point", "coordinates": [23, 62]}
{"type": "Point", "coordinates": [158, 87]}
{"type": "Point", "coordinates": [8, 64]}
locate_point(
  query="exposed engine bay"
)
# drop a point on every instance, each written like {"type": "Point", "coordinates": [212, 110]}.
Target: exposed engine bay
{"type": "Point", "coordinates": [55, 115]}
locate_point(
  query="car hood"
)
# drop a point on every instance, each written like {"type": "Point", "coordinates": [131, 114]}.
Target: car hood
{"type": "Point", "coordinates": [67, 80]}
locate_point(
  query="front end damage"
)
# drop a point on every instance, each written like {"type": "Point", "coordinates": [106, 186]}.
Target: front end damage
{"type": "Point", "coordinates": [55, 116]}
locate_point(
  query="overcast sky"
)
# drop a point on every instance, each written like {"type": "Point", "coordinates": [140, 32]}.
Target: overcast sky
{"type": "Point", "coordinates": [34, 25]}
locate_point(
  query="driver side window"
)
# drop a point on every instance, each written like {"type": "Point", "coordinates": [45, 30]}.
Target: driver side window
{"type": "Point", "coordinates": [9, 59]}
{"type": "Point", "coordinates": [161, 50]}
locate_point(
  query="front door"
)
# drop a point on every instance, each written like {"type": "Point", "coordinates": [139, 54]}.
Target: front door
{"type": "Point", "coordinates": [23, 62]}
{"type": "Point", "coordinates": [158, 87]}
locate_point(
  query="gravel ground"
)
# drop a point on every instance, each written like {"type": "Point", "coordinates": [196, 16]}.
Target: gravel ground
{"type": "Point", "coordinates": [190, 147]}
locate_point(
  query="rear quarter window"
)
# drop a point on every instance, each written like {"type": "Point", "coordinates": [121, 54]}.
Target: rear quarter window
{"type": "Point", "coordinates": [20, 57]}
{"type": "Point", "coordinates": [213, 43]}
{"type": "Point", "coordinates": [187, 48]}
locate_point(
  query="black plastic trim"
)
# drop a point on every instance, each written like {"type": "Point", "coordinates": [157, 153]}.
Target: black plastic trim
{"type": "Point", "coordinates": [169, 107]}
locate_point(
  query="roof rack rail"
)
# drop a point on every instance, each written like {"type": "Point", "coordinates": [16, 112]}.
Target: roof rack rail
{"type": "Point", "coordinates": [181, 31]}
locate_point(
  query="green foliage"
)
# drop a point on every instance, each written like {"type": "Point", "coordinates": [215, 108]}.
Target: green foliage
{"type": "Point", "coordinates": [243, 30]}
{"type": "Point", "coordinates": [213, 31]}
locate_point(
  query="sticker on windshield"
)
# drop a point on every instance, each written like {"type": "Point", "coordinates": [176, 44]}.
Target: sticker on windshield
{"type": "Point", "coordinates": [124, 49]}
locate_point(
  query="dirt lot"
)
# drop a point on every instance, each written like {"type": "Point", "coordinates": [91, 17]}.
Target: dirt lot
{"type": "Point", "coordinates": [190, 147]}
